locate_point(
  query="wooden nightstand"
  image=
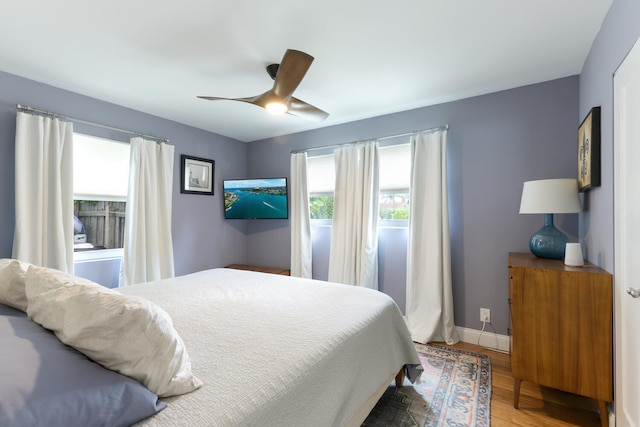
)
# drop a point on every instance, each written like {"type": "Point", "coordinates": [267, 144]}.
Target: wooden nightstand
{"type": "Point", "coordinates": [562, 327]}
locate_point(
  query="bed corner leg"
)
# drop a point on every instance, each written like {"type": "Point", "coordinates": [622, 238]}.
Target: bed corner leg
{"type": "Point", "coordinates": [400, 378]}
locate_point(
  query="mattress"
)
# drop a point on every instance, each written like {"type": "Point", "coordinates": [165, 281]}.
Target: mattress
{"type": "Point", "coordinates": [279, 351]}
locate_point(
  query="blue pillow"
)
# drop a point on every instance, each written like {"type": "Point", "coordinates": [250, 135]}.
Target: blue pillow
{"type": "Point", "coordinates": [45, 382]}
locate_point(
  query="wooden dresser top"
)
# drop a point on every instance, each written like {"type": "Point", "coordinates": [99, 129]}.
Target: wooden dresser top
{"type": "Point", "coordinates": [529, 260]}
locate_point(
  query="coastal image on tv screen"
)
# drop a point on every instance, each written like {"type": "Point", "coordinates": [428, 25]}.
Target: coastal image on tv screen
{"type": "Point", "coordinates": [255, 198]}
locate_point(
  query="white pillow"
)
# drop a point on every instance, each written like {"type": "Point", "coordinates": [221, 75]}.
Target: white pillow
{"type": "Point", "coordinates": [12, 274]}
{"type": "Point", "coordinates": [127, 334]}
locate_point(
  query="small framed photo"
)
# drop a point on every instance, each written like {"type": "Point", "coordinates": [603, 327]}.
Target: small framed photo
{"type": "Point", "coordinates": [589, 151]}
{"type": "Point", "coordinates": [196, 175]}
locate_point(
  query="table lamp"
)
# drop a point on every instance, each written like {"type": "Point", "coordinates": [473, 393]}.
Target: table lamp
{"type": "Point", "coordinates": [548, 197]}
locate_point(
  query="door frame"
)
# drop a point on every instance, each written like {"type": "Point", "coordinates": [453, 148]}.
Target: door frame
{"type": "Point", "coordinates": [622, 177]}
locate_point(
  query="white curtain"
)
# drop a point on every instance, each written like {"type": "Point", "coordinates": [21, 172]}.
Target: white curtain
{"type": "Point", "coordinates": [353, 258]}
{"type": "Point", "coordinates": [44, 192]}
{"type": "Point", "coordinates": [148, 245]}
{"type": "Point", "coordinates": [429, 308]}
{"type": "Point", "coordinates": [301, 247]}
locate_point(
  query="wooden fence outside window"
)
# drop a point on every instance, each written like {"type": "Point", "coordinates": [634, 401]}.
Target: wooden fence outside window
{"type": "Point", "coordinates": [103, 222]}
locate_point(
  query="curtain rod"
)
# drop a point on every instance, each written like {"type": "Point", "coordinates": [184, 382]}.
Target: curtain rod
{"type": "Point", "coordinates": [31, 110]}
{"type": "Point", "coordinates": [443, 127]}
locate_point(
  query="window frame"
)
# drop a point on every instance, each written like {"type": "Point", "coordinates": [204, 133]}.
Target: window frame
{"type": "Point", "coordinates": [381, 222]}
{"type": "Point", "coordinates": [90, 255]}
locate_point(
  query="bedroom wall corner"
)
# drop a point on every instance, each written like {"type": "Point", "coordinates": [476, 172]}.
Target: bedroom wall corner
{"type": "Point", "coordinates": [202, 239]}
{"type": "Point", "coordinates": [617, 35]}
{"type": "Point", "coordinates": [496, 142]}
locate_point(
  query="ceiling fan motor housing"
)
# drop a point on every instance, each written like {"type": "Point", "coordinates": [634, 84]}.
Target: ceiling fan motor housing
{"type": "Point", "coordinates": [272, 69]}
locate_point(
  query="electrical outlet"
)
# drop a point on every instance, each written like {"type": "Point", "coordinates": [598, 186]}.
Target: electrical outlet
{"type": "Point", "coordinates": [485, 315]}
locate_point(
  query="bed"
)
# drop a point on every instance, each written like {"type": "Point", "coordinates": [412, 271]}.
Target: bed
{"type": "Point", "coordinates": [271, 350]}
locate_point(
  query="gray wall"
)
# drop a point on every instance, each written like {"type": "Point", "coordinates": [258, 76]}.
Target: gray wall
{"type": "Point", "coordinates": [496, 142]}
{"type": "Point", "coordinates": [619, 32]}
{"type": "Point", "coordinates": [201, 237]}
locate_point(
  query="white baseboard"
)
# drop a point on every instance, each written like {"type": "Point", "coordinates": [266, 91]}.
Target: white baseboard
{"type": "Point", "coordinates": [488, 338]}
{"type": "Point", "coordinates": [612, 415]}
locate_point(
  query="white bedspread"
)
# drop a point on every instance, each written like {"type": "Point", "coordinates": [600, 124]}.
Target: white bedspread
{"type": "Point", "coordinates": [278, 351]}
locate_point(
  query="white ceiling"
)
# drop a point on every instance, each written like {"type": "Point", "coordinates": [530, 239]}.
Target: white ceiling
{"type": "Point", "coordinates": [372, 57]}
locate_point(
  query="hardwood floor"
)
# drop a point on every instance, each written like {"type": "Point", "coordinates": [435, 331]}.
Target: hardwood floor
{"type": "Point", "coordinates": [539, 406]}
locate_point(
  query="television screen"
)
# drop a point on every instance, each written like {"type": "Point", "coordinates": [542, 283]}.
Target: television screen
{"type": "Point", "coordinates": [264, 198]}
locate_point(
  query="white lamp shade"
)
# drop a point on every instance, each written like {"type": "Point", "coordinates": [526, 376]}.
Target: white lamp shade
{"type": "Point", "coordinates": [550, 196]}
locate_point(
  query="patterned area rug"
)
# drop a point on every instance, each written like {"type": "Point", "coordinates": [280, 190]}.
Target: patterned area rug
{"type": "Point", "coordinates": [455, 391]}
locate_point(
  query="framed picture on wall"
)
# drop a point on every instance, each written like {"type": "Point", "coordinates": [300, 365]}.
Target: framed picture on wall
{"type": "Point", "coordinates": [196, 175]}
{"type": "Point", "coordinates": [589, 151]}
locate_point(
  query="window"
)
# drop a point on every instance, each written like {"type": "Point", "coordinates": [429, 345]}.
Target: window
{"type": "Point", "coordinates": [395, 175]}
{"type": "Point", "coordinates": [321, 174]}
{"type": "Point", "coordinates": [100, 181]}
{"type": "Point", "coordinates": [395, 171]}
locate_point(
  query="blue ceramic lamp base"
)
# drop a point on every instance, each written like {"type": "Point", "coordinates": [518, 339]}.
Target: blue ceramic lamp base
{"type": "Point", "coordinates": [548, 242]}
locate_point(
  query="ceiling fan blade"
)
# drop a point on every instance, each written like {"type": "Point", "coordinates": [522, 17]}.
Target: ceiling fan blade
{"type": "Point", "coordinates": [307, 111]}
{"type": "Point", "coordinates": [250, 99]}
{"type": "Point", "coordinates": [292, 69]}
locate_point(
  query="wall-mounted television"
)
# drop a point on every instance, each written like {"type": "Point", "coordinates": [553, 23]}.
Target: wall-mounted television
{"type": "Point", "coordinates": [261, 198]}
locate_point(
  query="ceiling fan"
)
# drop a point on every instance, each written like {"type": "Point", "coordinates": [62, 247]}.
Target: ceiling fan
{"type": "Point", "coordinates": [287, 76]}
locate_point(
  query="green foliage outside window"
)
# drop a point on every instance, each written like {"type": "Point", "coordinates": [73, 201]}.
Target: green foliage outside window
{"type": "Point", "coordinates": [392, 206]}
{"type": "Point", "coordinates": [321, 207]}
{"type": "Point", "coordinates": [397, 213]}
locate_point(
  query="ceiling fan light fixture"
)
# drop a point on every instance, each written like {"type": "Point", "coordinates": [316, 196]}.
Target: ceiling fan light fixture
{"type": "Point", "coordinates": [276, 107]}
{"type": "Point", "coordinates": [279, 99]}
